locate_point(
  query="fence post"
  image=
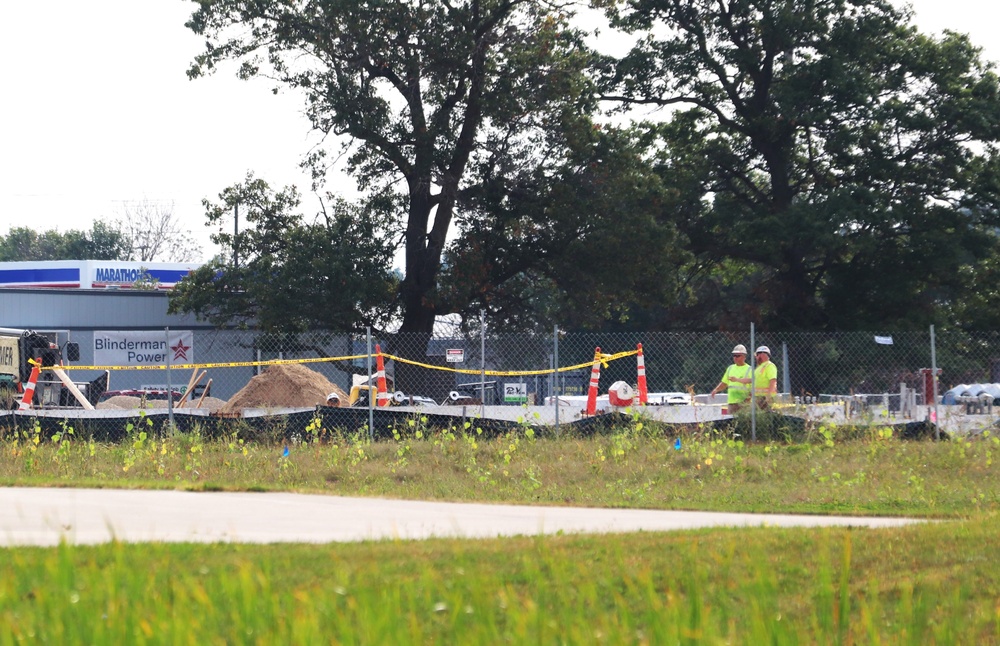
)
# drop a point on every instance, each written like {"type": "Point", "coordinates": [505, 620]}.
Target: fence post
{"type": "Point", "coordinates": [934, 381]}
{"type": "Point", "coordinates": [555, 373]}
{"type": "Point", "coordinates": [786, 380]}
{"type": "Point", "coordinates": [482, 363]}
{"type": "Point", "coordinates": [170, 387]}
{"type": "Point", "coordinates": [753, 386]}
{"type": "Point", "coordinates": [371, 400]}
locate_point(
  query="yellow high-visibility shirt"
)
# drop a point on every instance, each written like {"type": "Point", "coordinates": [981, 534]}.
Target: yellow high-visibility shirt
{"type": "Point", "coordinates": [762, 377]}
{"type": "Point", "coordinates": [736, 392]}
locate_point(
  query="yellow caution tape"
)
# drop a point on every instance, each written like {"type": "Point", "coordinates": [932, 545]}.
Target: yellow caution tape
{"type": "Point", "coordinates": [604, 358]}
{"type": "Point", "coordinates": [228, 364]}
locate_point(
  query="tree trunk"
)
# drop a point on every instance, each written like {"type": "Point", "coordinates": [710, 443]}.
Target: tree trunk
{"type": "Point", "coordinates": [423, 261]}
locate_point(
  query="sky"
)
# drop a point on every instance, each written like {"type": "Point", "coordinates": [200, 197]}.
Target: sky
{"type": "Point", "coordinates": [97, 114]}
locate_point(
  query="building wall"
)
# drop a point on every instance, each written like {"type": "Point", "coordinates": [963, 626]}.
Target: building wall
{"type": "Point", "coordinates": [85, 309]}
{"type": "Point", "coordinates": [76, 314]}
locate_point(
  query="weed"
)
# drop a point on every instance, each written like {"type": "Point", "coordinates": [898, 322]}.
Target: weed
{"type": "Point", "coordinates": [874, 472]}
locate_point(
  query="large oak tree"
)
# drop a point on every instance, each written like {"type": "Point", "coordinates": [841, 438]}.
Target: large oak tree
{"type": "Point", "coordinates": [424, 96]}
{"type": "Point", "coordinates": [837, 167]}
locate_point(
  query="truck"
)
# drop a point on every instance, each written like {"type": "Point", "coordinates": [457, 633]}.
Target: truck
{"type": "Point", "coordinates": [18, 348]}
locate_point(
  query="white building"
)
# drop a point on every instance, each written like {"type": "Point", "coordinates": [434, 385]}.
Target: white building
{"type": "Point", "coordinates": [92, 301]}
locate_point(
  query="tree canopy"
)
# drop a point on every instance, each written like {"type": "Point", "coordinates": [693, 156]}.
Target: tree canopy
{"type": "Point", "coordinates": [102, 242]}
{"type": "Point", "coordinates": [573, 241]}
{"type": "Point", "coordinates": [288, 272]}
{"type": "Point", "coordinates": [426, 95]}
{"type": "Point", "coordinates": [815, 165]}
{"type": "Point", "coordinates": [839, 168]}
{"type": "Point", "coordinates": [151, 232]}
{"type": "Point", "coordinates": [145, 232]}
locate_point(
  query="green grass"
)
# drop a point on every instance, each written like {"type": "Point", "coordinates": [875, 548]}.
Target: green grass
{"type": "Point", "coordinates": [873, 473]}
{"type": "Point", "coordinates": [929, 583]}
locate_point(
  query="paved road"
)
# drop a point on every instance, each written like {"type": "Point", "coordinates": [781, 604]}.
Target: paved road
{"type": "Point", "coordinates": [36, 516]}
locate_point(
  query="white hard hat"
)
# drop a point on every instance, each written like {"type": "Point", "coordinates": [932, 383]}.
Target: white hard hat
{"type": "Point", "coordinates": [740, 349]}
{"type": "Point", "coordinates": [764, 348]}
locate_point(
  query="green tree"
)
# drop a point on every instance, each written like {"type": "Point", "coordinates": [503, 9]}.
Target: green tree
{"type": "Point", "coordinates": [424, 94]}
{"type": "Point", "coordinates": [102, 242]}
{"type": "Point", "coordinates": [288, 273]}
{"type": "Point", "coordinates": [837, 167]}
{"type": "Point", "coordinates": [573, 239]}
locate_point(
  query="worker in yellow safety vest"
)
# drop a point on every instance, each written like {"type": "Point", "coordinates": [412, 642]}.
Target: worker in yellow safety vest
{"type": "Point", "coordinates": [736, 380]}
{"type": "Point", "coordinates": [765, 378]}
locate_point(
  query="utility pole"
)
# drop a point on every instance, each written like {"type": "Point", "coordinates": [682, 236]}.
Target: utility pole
{"type": "Point", "coordinates": [236, 235]}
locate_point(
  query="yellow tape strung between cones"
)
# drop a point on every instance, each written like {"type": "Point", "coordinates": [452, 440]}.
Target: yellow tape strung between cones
{"type": "Point", "coordinates": [604, 358]}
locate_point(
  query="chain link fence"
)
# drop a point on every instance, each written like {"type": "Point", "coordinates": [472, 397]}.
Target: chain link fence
{"type": "Point", "coordinates": [226, 374]}
{"type": "Point", "coordinates": [810, 365]}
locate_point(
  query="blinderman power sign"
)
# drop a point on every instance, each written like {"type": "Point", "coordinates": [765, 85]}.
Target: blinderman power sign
{"type": "Point", "coordinates": [143, 347]}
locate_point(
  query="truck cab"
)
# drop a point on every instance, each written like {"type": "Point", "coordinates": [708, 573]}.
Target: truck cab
{"type": "Point", "coordinates": [18, 348]}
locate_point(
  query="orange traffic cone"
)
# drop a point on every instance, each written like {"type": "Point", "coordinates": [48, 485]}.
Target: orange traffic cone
{"type": "Point", "coordinates": [383, 392]}
{"type": "Point", "coordinates": [595, 377]}
{"type": "Point", "coordinates": [641, 383]}
{"type": "Point", "coordinates": [29, 388]}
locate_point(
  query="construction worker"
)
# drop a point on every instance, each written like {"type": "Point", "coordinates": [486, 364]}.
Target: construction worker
{"type": "Point", "coordinates": [765, 378]}
{"type": "Point", "coordinates": [736, 380]}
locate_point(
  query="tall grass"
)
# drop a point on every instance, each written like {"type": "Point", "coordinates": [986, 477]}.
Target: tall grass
{"type": "Point", "coordinates": [844, 471]}
{"type": "Point", "coordinates": [919, 584]}
{"type": "Point", "coordinates": [747, 586]}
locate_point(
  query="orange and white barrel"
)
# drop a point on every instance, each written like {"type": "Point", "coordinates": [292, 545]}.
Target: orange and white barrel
{"type": "Point", "coordinates": [621, 394]}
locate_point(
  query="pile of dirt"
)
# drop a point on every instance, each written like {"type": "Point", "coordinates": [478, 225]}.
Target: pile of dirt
{"type": "Point", "coordinates": [283, 385]}
{"type": "Point", "coordinates": [126, 402]}
{"type": "Point", "coordinates": [208, 403]}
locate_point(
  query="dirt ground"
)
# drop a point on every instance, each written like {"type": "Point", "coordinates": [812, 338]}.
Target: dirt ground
{"type": "Point", "coordinates": [279, 386]}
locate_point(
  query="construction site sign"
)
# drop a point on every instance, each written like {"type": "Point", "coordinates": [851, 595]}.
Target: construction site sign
{"type": "Point", "coordinates": [515, 392]}
{"type": "Point", "coordinates": [454, 355]}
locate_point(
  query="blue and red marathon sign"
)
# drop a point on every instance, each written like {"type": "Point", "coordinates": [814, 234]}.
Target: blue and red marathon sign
{"type": "Point", "coordinates": [92, 274]}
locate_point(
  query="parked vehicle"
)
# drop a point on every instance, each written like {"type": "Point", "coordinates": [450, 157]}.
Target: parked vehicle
{"type": "Point", "coordinates": [53, 387]}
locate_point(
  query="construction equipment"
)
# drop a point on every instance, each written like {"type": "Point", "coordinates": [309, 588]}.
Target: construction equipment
{"type": "Point", "coordinates": [354, 398]}
{"type": "Point", "coordinates": [398, 398]}
{"type": "Point", "coordinates": [18, 348]}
